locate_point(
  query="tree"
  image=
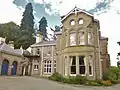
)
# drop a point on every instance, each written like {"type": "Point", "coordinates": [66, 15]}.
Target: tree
{"type": "Point", "coordinates": [9, 31]}
{"type": "Point", "coordinates": [26, 37]}
{"type": "Point", "coordinates": [57, 28]}
{"type": "Point", "coordinates": [43, 27]}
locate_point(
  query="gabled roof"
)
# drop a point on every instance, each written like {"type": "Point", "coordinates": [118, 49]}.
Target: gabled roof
{"type": "Point", "coordinates": [75, 10]}
{"type": "Point", "coordinates": [5, 48]}
{"type": "Point", "coordinates": [45, 43]}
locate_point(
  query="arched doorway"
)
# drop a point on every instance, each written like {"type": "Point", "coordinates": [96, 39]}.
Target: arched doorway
{"type": "Point", "coordinates": [14, 68]}
{"type": "Point", "coordinates": [5, 65]}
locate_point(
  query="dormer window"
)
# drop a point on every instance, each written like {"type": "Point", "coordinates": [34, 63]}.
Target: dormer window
{"type": "Point", "coordinates": [72, 22]}
{"type": "Point", "coordinates": [80, 21]}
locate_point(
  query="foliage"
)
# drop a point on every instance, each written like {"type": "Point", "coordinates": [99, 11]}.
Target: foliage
{"type": "Point", "coordinates": [71, 79]}
{"type": "Point", "coordinates": [57, 28]}
{"type": "Point", "coordinates": [10, 31]}
{"type": "Point", "coordinates": [113, 74]}
{"type": "Point", "coordinates": [56, 77]}
{"type": "Point", "coordinates": [43, 27]}
{"type": "Point", "coordinates": [26, 36]}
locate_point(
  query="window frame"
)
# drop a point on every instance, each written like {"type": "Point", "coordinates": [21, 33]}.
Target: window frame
{"type": "Point", "coordinates": [81, 38]}
{"type": "Point", "coordinates": [47, 67]}
{"type": "Point", "coordinates": [80, 21]}
{"type": "Point", "coordinates": [91, 64]}
{"type": "Point", "coordinates": [82, 65]}
{"type": "Point", "coordinates": [72, 39]}
{"type": "Point", "coordinates": [71, 65]}
{"type": "Point", "coordinates": [72, 22]}
{"type": "Point", "coordinates": [36, 66]}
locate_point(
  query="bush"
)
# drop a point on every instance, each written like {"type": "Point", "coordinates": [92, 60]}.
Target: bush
{"type": "Point", "coordinates": [56, 77]}
{"type": "Point", "coordinates": [107, 83]}
{"type": "Point", "coordinates": [93, 83]}
{"type": "Point", "coordinates": [80, 79]}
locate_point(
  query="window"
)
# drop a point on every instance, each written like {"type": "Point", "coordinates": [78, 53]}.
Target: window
{"type": "Point", "coordinates": [47, 66]}
{"type": "Point", "coordinates": [72, 22]}
{"type": "Point", "coordinates": [35, 67]}
{"type": "Point", "coordinates": [81, 38]}
{"type": "Point", "coordinates": [90, 65]}
{"type": "Point", "coordinates": [89, 38]}
{"type": "Point", "coordinates": [72, 39]}
{"type": "Point", "coordinates": [80, 21]}
{"type": "Point", "coordinates": [54, 66]}
{"type": "Point", "coordinates": [73, 64]}
{"type": "Point", "coordinates": [38, 51]}
{"type": "Point", "coordinates": [81, 65]}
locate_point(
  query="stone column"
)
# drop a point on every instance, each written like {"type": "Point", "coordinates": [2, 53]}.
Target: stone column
{"type": "Point", "coordinates": [77, 64]}
{"type": "Point", "coordinates": [68, 65]}
{"type": "Point", "coordinates": [0, 66]}
{"type": "Point", "coordinates": [9, 68]}
{"type": "Point", "coordinates": [41, 71]}
{"type": "Point", "coordinates": [86, 65]}
{"type": "Point", "coordinates": [52, 61]}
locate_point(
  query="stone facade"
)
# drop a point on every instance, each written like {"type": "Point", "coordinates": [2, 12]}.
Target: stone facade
{"type": "Point", "coordinates": [78, 50]}
{"type": "Point", "coordinates": [12, 62]}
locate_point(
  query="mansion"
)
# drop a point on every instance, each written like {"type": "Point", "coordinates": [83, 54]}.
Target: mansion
{"type": "Point", "coordinates": [78, 50]}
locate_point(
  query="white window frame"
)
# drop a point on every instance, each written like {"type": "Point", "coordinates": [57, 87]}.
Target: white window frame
{"type": "Point", "coordinates": [89, 38]}
{"type": "Point", "coordinates": [72, 39]}
{"type": "Point", "coordinates": [91, 64]}
{"type": "Point", "coordinates": [47, 67]}
{"type": "Point", "coordinates": [71, 60]}
{"type": "Point", "coordinates": [81, 38]}
{"type": "Point", "coordinates": [84, 59]}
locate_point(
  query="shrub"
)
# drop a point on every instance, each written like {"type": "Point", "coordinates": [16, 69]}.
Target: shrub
{"type": "Point", "coordinates": [56, 77]}
{"type": "Point", "coordinates": [93, 83]}
{"type": "Point", "coordinates": [80, 79]}
{"type": "Point", "coordinates": [107, 83]}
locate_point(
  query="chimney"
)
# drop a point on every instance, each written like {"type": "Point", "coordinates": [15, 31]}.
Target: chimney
{"type": "Point", "coordinates": [11, 44]}
{"type": "Point", "coordinates": [39, 37]}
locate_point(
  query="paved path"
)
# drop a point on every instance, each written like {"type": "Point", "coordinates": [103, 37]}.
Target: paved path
{"type": "Point", "coordinates": [31, 83]}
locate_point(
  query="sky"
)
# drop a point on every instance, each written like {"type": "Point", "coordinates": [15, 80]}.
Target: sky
{"type": "Point", "coordinates": [106, 11]}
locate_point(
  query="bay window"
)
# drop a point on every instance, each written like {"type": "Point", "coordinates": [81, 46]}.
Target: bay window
{"type": "Point", "coordinates": [90, 65]}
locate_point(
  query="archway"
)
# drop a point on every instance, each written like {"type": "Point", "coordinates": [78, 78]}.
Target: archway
{"type": "Point", "coordinates": [14, 68]}
{"type": "Point", "coordinates": [5, 65]}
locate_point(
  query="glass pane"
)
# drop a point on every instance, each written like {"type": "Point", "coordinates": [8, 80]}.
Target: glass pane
{"type": "Point", "coordinates": [73, 69]}
{"type": "Point", "coordinates": [90, 70]}
{"type": "Point", "coordinates": [74, 60]}
{"type": "Point", "coordinates": [82, 69]}
{"type": "Point", "coordinates": [81, 60]}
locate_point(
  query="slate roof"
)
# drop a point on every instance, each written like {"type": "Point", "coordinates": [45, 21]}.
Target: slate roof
{"type": "Point", "coordinates": [5, 48]}
{"type": "Point", "coordinates": [44, 43]}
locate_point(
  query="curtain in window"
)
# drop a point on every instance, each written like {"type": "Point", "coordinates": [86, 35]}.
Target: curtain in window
{"type": "Point", "coordinates": [72, 39]}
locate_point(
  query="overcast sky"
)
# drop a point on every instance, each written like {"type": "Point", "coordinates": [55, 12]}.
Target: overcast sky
{"type": "Point", "coordinates": [106, 11]}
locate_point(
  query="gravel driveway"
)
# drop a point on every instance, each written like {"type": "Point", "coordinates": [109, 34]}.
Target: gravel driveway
{"type": "Point", "coordinates": [31, 83]}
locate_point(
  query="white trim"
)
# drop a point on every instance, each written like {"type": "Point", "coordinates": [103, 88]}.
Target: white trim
{"type": "Point", "coordinates": [72, 11]}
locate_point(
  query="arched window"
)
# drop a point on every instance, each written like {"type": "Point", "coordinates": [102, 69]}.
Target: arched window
{"type": "Point", "coordinates": [80, 21]}
{"type": "Point", "coordinates": [72, 22]}
{"type": "Point", "coordinates": [72, 39]}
